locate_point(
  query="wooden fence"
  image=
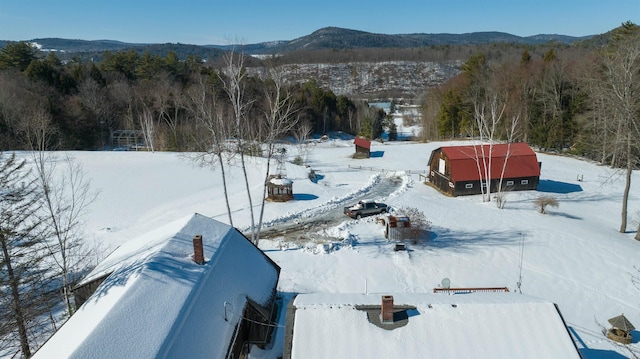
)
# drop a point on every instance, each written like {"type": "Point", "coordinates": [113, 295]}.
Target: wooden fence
{"type": "Point", "coordinates": [375, 169]}
{"type": "Point", "coordinates": [471, 290]}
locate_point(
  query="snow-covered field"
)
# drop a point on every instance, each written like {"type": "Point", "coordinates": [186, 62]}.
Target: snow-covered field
{"type": "Point", "coordinates": [573, 256]}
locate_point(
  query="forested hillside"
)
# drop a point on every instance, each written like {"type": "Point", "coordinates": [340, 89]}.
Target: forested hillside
{"type": "Point", "coordinates": [80, 105]}
{"type": "Point", "coordinates": [557, 96]}
{"type": "Point", "coordinates": [566, 100]}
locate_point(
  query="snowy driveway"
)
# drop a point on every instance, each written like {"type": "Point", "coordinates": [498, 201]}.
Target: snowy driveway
{"type": "Point", "coordinates": [306, 228]}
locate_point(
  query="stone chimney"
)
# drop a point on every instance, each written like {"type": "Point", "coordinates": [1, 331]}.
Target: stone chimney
{"type": "Point", "coordinates": [198, 250]}
{"type": "Point", "coordinates": [386, 313]}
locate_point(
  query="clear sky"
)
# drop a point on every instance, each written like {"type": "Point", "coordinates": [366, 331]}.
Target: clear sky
{"type": "Point", "coordinates": [221, 22]}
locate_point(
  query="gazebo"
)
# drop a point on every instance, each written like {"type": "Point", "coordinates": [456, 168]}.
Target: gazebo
{"type": "Point", "coordinates": [621, 329]}
{"type": "Point", "coordinates": [279, 188]}
{"type": "Point", "coordinates": [128, 139]}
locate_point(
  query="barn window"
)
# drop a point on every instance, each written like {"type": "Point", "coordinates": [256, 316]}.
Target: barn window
{"type": "Point", "coordinates": [441, 166]}
{"type": "Point", "coordinates": [509, 183]}
{"type": "Point", "coordinates": [468, 185]}
{"type": "Point", "coordinates": [524, 181]}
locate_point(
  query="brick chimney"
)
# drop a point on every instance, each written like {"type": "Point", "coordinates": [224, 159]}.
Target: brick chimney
{"type": "Point", "coordinates": [198, 250]}
{"type": "Point", "coordinates": [386, 313]}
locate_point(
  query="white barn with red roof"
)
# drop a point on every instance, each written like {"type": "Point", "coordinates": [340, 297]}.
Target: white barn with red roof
{"type": "Point", "coordinates": [463, 170]}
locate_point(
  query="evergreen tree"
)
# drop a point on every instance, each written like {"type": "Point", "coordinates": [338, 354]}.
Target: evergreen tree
{"type": "Point", "coordinates": [393, 131]}
{"type": "Point", "coordinates": [377, 124]}
{"type": "Point", "coordinates": [24, 280]}
{"type": "Point", "coordinates": [451, 115]}
{"type": "Point", "coordinates": [365, 128]}
{"type": "Point", "coordinates": [525, 58]}
{"type": "Point", "coordinates": [17, 55]}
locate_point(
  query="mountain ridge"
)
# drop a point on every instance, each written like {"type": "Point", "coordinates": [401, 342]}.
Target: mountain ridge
{"type": "Point", "coordinates": [341, 38]}
{"type": "Point", "coordinates": [324, 38]}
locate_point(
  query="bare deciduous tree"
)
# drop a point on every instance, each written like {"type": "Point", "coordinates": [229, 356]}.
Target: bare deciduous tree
{"type": "Point", "coordinates": [487, 120]}
{"type": "Point", "coordinates": [301, 134]}
{"type": "Point", "coordinates": [168, 101]}
{"type": "Point", "coordinates": [234, 83]}
{"type": "Point", "coordinates": [95, 98]}
{"type": "Point", "coordinates": [66, 197]}
{"type": "Point", "coordinates": [279, 120]}
{"type": "Point", "coordinates": [147, 125]}
{"type": "Point", "coordinates": [542, 202]}
{"type": "Point", "coordinates": [621, 84]}
{"type": "Point", "coordinates": [209, 114]}
{"type": "Point", "coordinates": [419, 223]}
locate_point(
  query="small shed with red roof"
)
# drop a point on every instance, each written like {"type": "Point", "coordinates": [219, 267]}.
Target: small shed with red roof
{"type": "Point", "coordinates": [462, 170]}
{"type": "Point", "coordinates": [363, 148]}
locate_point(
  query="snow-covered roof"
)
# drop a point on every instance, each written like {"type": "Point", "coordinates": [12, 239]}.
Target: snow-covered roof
{"type": "Point", "coordinates": [159, 303]}
{"type": "Point", "coordinates": [281, 181]}
{"type": "Point", "coordinates": [476, 325]}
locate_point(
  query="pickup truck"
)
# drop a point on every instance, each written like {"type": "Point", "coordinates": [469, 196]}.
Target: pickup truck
{"type": "Point", "coordinates": [365, 208]}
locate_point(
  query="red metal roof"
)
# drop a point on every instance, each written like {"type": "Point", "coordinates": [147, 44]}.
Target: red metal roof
{"type": "Point", "coordinates": [362, 142]}
{"type": "Point", "coordinates": [521, 161]}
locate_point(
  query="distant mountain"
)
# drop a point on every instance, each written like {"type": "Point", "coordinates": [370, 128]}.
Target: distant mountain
{"type": "Point", "coordinates": [339, 38]}
{"type": "Point", "coordinates": [66, 45]}
{"type": "Point", "coordinates": [95, 49]}
{"type": "Point", "coordinates": [325, 38]}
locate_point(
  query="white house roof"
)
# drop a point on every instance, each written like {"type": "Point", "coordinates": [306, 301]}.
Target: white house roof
{"type": "Point", "coordinates": [159, 303]}
{"type": "Point", "coordinates": [477, 325]}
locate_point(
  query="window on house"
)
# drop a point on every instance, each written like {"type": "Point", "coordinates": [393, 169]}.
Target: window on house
{"type": "Point", "coordinates": [468, 185]}
{"type": "Point", "coordinates": [524, 181]}
{"type": "Point", "coordinates": [509, 183]}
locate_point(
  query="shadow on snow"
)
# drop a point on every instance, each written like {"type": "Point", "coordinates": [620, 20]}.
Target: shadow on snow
{"type": "Point", "coordinates": [446, 238]}
{"type": "Point", "coordinates": [550, 186]}
{"type": "Point", "coordinates": [304, 197]}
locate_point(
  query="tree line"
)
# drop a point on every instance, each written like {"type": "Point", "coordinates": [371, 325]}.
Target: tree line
{"type": "Point", "coordinates": [84, 103]}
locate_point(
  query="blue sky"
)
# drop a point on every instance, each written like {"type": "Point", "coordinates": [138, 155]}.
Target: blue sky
{"type": "Point", "coordinates": [223, 22]}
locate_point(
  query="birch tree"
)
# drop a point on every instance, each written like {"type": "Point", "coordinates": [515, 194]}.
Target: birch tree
{"type": "Point", "coordinates": [234, 83]}
{"type": "Point", "coordinates": [148, 127]}
{"type": "Point", "coordinates": [209, 114]}
{"type": "Point", "coordinates": [279, 120]}
{"type": "Point", "coordinates": [621, 83]}
{"type": "Point", "coordinates": [490, 97]}
{"type": "Point", "coordinates": [487, 116]}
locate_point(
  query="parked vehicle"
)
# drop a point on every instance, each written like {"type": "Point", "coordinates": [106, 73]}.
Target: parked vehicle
{"type": "Point", "coordinates": [365, 208]}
